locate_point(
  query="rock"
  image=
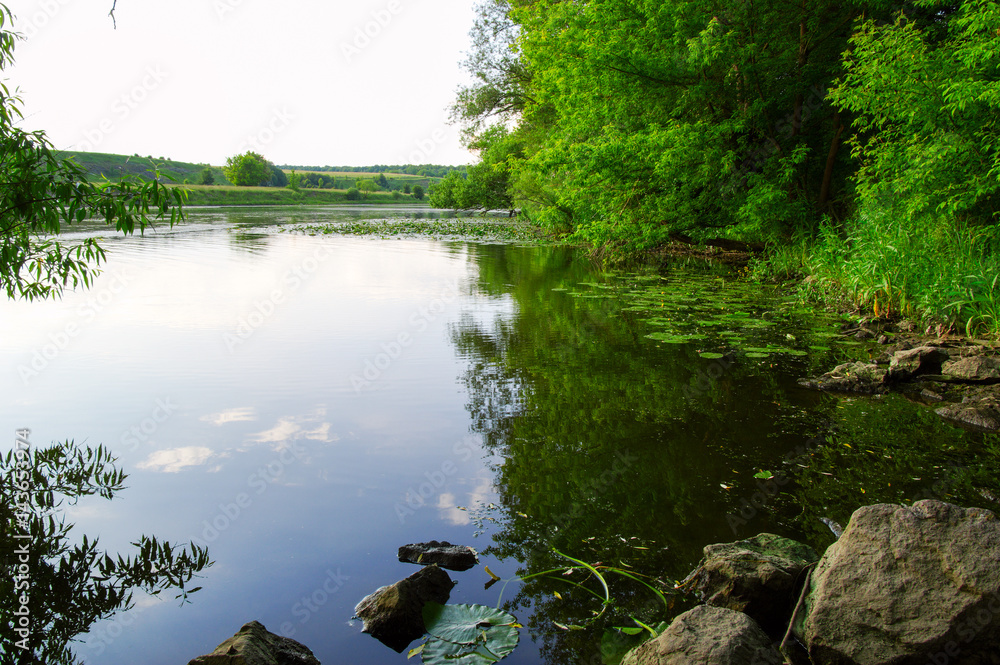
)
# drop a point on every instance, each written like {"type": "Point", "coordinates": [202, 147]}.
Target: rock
{"type": "Point", "coordinates": [760, 576]}
{"type": "Point", "coordinates": [394, 614]}
{"type": "Point", "coordinates": [444, 554]}
{"type": "Point", "coordinates": [707, 635]}
{"type": "Point", "coordinates": [254, 645]}
{"type": "Point", "coordinates": [856, 377]}
{"type": "Point", "coordinates": [913, 584]}
{"type": "Point", "coordinates": [982, 415]}
{"type": "Point", "coordinates": [975, 369]}
{"type": "Point", "coordinates": [922, 360]}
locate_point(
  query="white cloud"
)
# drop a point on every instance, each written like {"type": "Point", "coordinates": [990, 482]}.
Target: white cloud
{"type": "Point", "coordinates": [175, 459]}
{"type": "Point", "coordinates": [231, 416]}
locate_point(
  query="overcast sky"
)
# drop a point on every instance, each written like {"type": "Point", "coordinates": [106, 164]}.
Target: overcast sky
{"type": "Point", "coordinates": [309, 82]}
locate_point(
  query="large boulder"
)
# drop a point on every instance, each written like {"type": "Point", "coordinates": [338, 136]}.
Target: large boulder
{"type": "Point", "coordinates": [255, 645]}
{"type": "Point", "coordinates": [444, 554]}
{"type": "Point", "coordinates": [912, 362]}
{"type": "Point", "coordinates": [394, 614]}
{"type": "Point", "coordinates": [707, 635]}
{"type": "Point", "coordinates": [907, 586]}
{"type": "Point", "coordinates": [761, 576]}
{"type": "Point", "coordinates": [974, 369]}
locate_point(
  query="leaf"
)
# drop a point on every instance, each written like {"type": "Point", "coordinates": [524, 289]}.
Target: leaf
{"type": "Point", "coordinates": [468, 634]}
{"type": "Point", "coordinates": [489, 572]}
{"type": "Point", "coordinates": [764, 475]}
{"type": "Point", "coordinates": [415, 651]}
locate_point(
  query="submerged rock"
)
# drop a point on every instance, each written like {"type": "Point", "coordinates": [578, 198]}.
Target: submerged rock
{"type": "Point", "coordinates": [907, 584]}
{"type": "Point", "coordinates": [394, 614]}
{"type": "Point", "coordinates": [761, 576]}
{"type": "Point", "coordinates": [856, 377]}
{"type": "Point", "coordinates": [255, 645]}
{"type": "Point", "coordinates": [444, 554]}
{"type": "Point", "coordinates": [707, 635]}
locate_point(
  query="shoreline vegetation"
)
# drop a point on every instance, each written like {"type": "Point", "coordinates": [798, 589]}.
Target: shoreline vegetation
{"type": "Point", "coordinates": [858, 143]}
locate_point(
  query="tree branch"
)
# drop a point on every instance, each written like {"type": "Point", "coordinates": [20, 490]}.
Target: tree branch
{"type": "Point", "coordinates": [114, 4]}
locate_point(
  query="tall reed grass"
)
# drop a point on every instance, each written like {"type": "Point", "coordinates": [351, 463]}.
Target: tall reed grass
{"type": "Point", "coordinates": [931, 269]}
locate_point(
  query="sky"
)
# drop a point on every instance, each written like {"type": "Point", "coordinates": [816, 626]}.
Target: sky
{"type": "Point", "coordinates": [302, 82]}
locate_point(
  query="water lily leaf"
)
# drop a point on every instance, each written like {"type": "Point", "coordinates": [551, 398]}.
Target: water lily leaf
{"type": "Point", "coordinates": [713, 356]}
{"type": "Point", "coordinates": [468, 634]}
{"type": "Point", "coordinates": [758, 355]}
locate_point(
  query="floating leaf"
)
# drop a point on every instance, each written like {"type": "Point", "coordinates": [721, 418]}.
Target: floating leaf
{"type": "Point", "coordinates": [468, 634]}
{"type": "Point", "coordinates": [764, 475]}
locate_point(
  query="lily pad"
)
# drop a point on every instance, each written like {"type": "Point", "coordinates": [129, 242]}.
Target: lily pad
{"type": "Point", "coordinates": [709, 355]}
{"type": "Point", "coordinates": [468, 634]}
{"type": "Point", "coordinates": [758, 355]}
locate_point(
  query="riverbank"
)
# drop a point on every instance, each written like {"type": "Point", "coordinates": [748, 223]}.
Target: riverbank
{"type": "Point", "coordinates": [201, 195]}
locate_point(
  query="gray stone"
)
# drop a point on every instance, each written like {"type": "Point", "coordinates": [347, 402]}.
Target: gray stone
{"type": "Point", "coordinates": [394, 614]}
{"type": "Point", "coordinates": [760, 576]}
{"type": "Point", "coordinates": [855, 377]}
{"type": "Point", "coordinates": [910, 363]}
{"type": "Point", "coordinates": [976, 369]}
{"type": "Point", "coordinates": [444, 554]}
{"type": "Point", "coordinates": [254, 645]}
{"type": "Point", "coordinates": [907, 586]}
{"type": "Point", "coordinates": [981, 415]}
{"type": "Point", "coordinates": [707, 635]}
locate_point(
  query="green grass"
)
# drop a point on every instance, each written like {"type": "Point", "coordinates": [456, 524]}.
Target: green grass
{"type": "Point", "coordinates": [113, 167]}
{"type": "Point", "coordinates": [931, 269]}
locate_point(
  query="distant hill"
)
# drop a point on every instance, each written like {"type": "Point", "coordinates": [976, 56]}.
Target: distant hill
{"type": "Point", "coordinates": [113, 167]}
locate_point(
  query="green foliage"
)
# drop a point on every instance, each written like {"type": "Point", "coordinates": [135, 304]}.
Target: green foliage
{"type": "Point", "coordinates": [353, 194]}
{"type": "Point", "coordinates": [418, 192]}
{"type": "Point", "coordinates": [248, 170]}
{"type": "Point", "coordinates": [278, 177]}
{"type": "Point", "coordinates": [72, 586]}
{"type": "Point", "coordinates": [206, 177]}
{"type": "Point", "coordinates": [931, 268]}
{"type": "Point", "coordinates": [294, 181]}
{"type": "Point", "coordinates": [42, 194]}
{"type": "Point", "coordinates": [927, 111]}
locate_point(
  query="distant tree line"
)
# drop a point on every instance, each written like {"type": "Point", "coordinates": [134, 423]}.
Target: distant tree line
{"type": "Point", "coordinates": [425, 170]}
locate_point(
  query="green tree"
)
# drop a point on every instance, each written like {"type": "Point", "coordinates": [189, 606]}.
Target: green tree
{"type": "Point", "coordinates": [294, 180]}
{"type": "Point", "coordinates": [206, 177]}
{"type": "Point", "coordinates": [449, 192]}
{"type": "Point", "coordinates": [248, 170]}
{"type": "Point", "coordinates": [42, 194]}
{"type": "Point", "coordinates": [366, 186]}
{"type": "Point", "coordinates": [382, 181]}
{"type": "Point", "coordinates": [418, 192]}
{"type": "Point", "coordinates": [278, 177]}
{"type": "Point", "coordinates": [925, 96]}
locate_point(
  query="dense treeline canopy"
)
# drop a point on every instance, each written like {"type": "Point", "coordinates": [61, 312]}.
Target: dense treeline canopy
{"type": "Point", "coordinates": [630, 121]}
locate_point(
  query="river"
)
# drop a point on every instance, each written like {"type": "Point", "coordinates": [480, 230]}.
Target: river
{"type": "Point", "coordinates": [304, 405]}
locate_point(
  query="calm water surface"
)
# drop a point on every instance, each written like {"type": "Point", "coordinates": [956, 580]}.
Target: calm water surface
{"type": "Point", "coordinates": [306, 404]}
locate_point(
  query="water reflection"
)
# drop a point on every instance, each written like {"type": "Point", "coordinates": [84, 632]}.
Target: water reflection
{"type": "Point", "coordinates": [620, 450]}
{"type": "Point", "coordinates": [333, 398]}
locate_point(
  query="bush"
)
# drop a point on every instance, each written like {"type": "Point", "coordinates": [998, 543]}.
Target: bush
{"type": "Point", "coordinates": [353, 194]}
